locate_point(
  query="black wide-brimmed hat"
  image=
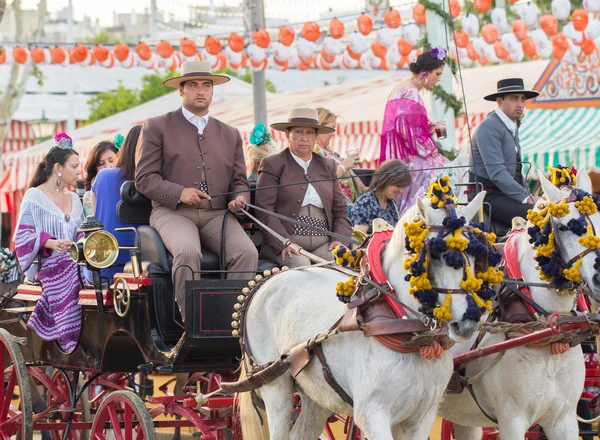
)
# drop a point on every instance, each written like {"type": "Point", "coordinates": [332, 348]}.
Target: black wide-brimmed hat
{"type": "Point", "coordinates": [511, 85]}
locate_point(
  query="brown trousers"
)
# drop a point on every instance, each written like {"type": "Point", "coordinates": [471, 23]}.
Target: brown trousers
{"type": "Point", "coordinates": [184, 229]}
{"type": "Point", "coordinates": [316, 244]}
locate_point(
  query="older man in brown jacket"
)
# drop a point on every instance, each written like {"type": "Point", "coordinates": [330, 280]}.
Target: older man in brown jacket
{"type": "Point", "coordinates": [185, 156]}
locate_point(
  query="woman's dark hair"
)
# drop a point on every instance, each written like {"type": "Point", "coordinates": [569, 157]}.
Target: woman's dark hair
{"type": "Point", "coordinates": [425, 63]}
{"type": "Point", "coordinates": [391, 172]}
{"type": "Point", "coordinates": [125, 159]}
{"type": "Point", "coordinates": [91, 167]}
{"type": "Point", "coordinates": [45, 167]}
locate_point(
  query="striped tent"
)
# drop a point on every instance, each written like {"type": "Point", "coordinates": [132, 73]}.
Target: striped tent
{"type": "Point", "coordinates": [569, 136]}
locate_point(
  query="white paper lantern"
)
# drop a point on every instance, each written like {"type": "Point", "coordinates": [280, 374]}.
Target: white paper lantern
{"type": "Point", "coordinates": [256, 54]}
{"type": "Point", "coordinates": [528, 13]}
{"type": "Point", "coordinates": [545, 52]}
{"type": "Point", "coordinates": [592, 5]}
{"type": "Point", "coordinates": [108, 62]}
{"type": "Point", "coordinates": [306, 49]}
{"type": "Point", "coordinates": [365, 60]}
{"type": "Point", "coordinates": [358, 43]}
{"type": "Point", "coordinates": [561, 9]}
{"type": "Point", "coordinates": [470, 24]}
{"type": "Point", "coordinates": [592, 31]}
{"type": "Point", "coordinates": [233, 57]}
{"type": "Point", "coordinates": [393, 56]}
{"type": "Point", "coordinates": [211, 59]}
{"type": "Point", "coordinates": [596, 42]}
{"type": "Point", "coordinates": [571, 33]}
{"type": "Point", "coordinates": [386, 37]}
{"type": "Point", "coordinates": [574, 49]}
{"type": "Point", "coordinates": [499, 19]}
{"type": "Point", "coordinates": [67, 61]}
{"type": "Point", "coordinates": [517, 55]}
{"type": "Point", "coordinates": [348, 62]}
{"type": "Point", "coordinates": [510, 42]}
{"type": "Point", "coordinates": [294, 58]}
{"type": "Point", "coordinates": [150, 63]}
{"type": "Point", "coordinates": [412, 34]}
{"type": "Point", "coordinates": [333, 46]}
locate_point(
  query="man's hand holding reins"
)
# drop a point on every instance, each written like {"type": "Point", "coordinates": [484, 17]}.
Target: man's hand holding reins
{"type": "Point", "coordinates": [192, 196]}
{"type": "Point", "coordinates": [290, 251]}
{"type": "Point", "coordinates": [237, 204]}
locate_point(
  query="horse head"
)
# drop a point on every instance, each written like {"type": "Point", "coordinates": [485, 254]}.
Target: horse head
{"type": "Point", "coordinates": [563, 229]}
{"type": "Point", "coordinates": [450, 266]}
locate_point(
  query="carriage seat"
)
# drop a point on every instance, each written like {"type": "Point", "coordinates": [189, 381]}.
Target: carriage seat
{"type": "Point", "coordinates": [135, 208]}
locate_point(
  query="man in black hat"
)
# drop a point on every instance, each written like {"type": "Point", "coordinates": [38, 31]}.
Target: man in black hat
{"type": "Point", "coordinates": [496, 153]}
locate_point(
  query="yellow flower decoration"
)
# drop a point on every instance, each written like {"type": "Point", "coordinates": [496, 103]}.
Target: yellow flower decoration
{"type": "Point", "coordinates": [491, 275]}
{"type": "Point", "coordinates": [572, 274]}
{"type": "Point", "coordinates": [457, 242]}
{"type": "Point", "coordinates": [586, 206]}
{"type": "Point", "coordinates": [560, 209]}
{"type": "Point", "coordinates": [537, 218]}
{"type": "Point", "coordinates": [590, 241]}
{"type": "Point", "coordinates": [443, 313]}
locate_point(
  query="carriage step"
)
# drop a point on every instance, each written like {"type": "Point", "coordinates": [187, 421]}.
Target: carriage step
{"type": "Point", "coordinates": [20, 310]}
{"type": "Point", "coordinates": [64, 410]}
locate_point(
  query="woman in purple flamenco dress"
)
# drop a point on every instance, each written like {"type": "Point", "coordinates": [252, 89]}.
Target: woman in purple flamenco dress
{"type": "Point", "coordinates": [48, 223]}
{"type": "Point", "coordinates": [407, 132]}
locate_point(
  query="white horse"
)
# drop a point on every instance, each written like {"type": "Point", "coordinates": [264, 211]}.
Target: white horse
{"type": "Point", "coordinates": [529, 385]}
{"type": "Point", "coordinates": [395, 395]}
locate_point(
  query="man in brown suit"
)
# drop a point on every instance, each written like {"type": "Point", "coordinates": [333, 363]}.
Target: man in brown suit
{"type": "Point", "coordinates": [321, 204]}
{"type": "Point", "coordinates": [186, 155]}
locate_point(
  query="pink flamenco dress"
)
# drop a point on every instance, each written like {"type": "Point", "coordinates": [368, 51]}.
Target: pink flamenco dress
{"type": "Point", "coordinates": [405, 136]}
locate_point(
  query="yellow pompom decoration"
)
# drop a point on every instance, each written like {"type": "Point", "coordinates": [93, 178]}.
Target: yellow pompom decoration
{"type": "Point", "coordinates": [457, 242]}
{"type": "Point", "coordinates": [590, 241]}
{"type": "Point", "coordinates": [491, 275]}
{"type": "Point", "coordinates": [560, 175]}
{"type": "Point", "coordinates": [537, 218]}
{"type": "Point", "coordinates": [442, 313]}
{"type": "Point", "coordinates": [481, 303]}
{"type": "Point", "coordinates": [416, 233]}
{"type": "Point", "coordinates": [572, 274]}
{"type": "Point", "coordinates": [345, 288]}
{"type": "Point", "coordinates": [560, 209]}
{"type": "Point", "coordinates": [470, 283]}
{"type": "Point", "coordinates": [586, 206]}
{"type": "Point", "coordinates": [546, 250]}
{"type": "Point", "coordinates": [346, 257]}
{"type": "Point", "coordinates": [491, 237]}
{"type": "Point", "coordinates": [421, 282]}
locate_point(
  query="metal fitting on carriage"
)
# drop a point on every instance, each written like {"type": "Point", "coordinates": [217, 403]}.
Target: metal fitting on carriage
{"type": "Point", "coordinates": [166, 368]}
{"type": "Point", "coordinates": [146, 367]}
{"type": "Point", "coordinates": [241, 298]}
{"type": "Point", "coordinates": [252, 284]}
{"type": "Point", "coordinates": [284, 268]}
{"type": "Point", "coordinates": [245, 291]}
{"type": "Point", "coordinates": [236, 316]}
{"type": "Point", "coordinates": [275, 270]}
{"type": "Point", "coordinates": [235, 333]}
{"type": "Point", "coordinates": [237, 306]}
{"type": "Point", "coordinates": [235, 324]}
{"type": "Point", "coordinates": [258, 278]}
{"type": "Point", "coordinates": [267, 273]}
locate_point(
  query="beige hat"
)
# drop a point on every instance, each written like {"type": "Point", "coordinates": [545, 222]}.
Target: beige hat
{"type": "Point", "coordinates": [302, 117]}
{"type": "Point", "coordinates": [196, 70]}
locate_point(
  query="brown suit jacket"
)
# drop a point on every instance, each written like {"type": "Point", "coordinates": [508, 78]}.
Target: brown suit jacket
{"type": "Point", "coordinates": [171, 159]}
{"type": "Point", "coordinates": [280, 169]}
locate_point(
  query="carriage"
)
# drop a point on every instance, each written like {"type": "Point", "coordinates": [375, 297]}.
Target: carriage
{"type": "Point", "coordinates": [131, 328]}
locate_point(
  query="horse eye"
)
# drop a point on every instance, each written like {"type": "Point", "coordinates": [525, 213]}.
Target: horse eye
{"type": "Point", "coordinates": [562, 228]}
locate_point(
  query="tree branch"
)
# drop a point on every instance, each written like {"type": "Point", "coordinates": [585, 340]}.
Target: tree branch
{"type": "Point", "coordinates": [2, 9]}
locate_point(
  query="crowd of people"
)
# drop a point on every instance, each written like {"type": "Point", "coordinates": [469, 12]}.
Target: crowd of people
{"type": "Point", "coordinates": [192, 166]}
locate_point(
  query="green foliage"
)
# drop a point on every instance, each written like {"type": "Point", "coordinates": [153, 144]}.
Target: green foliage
{"type": "Point", "coordinates": [102, 38]}
{"type": "Point", "coordinates": [434, 7]}
{"type": "Point", "coordinates": [106, 104]}
{"type": "Point", "coordinates": [37, 74]}
{"type": "Point", "coordinates": [450, 101]}
{"type": "Point", "coordinates": [152, 85]}
{"type": "Point", "coordinates": [247, 77]}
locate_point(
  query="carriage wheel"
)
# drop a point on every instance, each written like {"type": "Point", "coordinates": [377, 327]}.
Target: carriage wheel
{"type": "Point", "coordinates": [125, 416]}
{"type": "Point", "coordinates": [83, 406]}
{"type": "Point", "coordinates": [16, 416]}
{"type": "Point", "coordinates": [447, 430]}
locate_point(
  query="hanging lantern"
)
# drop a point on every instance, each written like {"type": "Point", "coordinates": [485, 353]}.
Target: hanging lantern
{"type": "Point", "coordinates": [500, 50]}
{"type": "Point", "coordinates": [20, 55]}
{"type": "Point", "coordinates": [235, 42]}
{"type": "Point", "coordinates": [419, 14]}
{"type": "Point", "coordinates": [358, 43]}
{"type": "Point", "coordinates": [489, 33]}
{"type": "Point", "coordinates": [412, 33]}
{"type": "Point", "coordinates": [100, 52]}
{"type": "Point", "coordinates": [393, 56]}
{"type": "Point", "coordinates": [529, 47]}
{"type": "Point", "coordinates": [462, 39]}
{"type": "Point", "coordinates": [303, 67]}
{"type": "Point", "coordinates": [261, 38]}
{"type": "Point", "coordinates": [472, 53]}
{"type": "Point", "coordinates": [454, 8]}
{"type": "Point", "coordinates": [587, 46]}
{"type": "Point", "coordinates": [305, 48]}
{"type": "Point", "coordinates": [351, 53]}
{"type": "Point", "coordinates": [569, 31]}
{"type": "Point", "coordinates": [311, 31]}
{"type": "Point", "coordinates": [286, 35]}
{"type": "Point", "coordinates": [482, 5]}
{"type": "Point", "coordinates": [329, 58]}
{"type": "Point", "coordinates": [37, 54]}
{"type": "Point", "coordinates": [592, 31]}
{"type": "Point", "coordinates": [520, 29]}
{"type": "Point", "coordinates": [121, 51]}
{"type": "Point", "coordinates": [592, 5]}
{"type": "Point", "coordinates": [404, 47]}
{"type": "Point", "coordinates": [559, 40]}
{"type": "Point", "coordinates": [392, 19]}
{"type": "Point", "coordinates": [58, 55]}
{"type": "Point", "coordinates": [188, 48]}
{"type": "Point", "coordinates": [336, 28]}
{"type": "Point", "coordinates": [3, 56]}
{"type": "Point", "coordinates": [260, 66]}
{"type": "Point", "coordinates": [549, 24]}
{"type": "Point", "coordinates": [256, 54]}
{"type": "Point", "coordinates": [348, 62]}
{"type": "Point", "coordinates": [109, 62]}
{"type": "Point", "coordinates": [143, 51]}
{"type": "Point", "coordinates": [499, 20]}
{"type": "Point", "coordinates": [332, 46]}
{"type": "Point", "coordinates": [365, 24]}
{"type": "Point", "coordinates": [164, 49]}
{"type": "Point", "coordinates": [386, 37]}
{"type": "Point", "coordinates": [580, 19]}
{"type": "Point", "coordinates": [378, 49]}
{"type": "Point", "coordinates": [80, 52]}
{"type": "Point", "coordinates": [212, 45]}
{"type": "Point", "coordinates": [561, 9]}
{"type": "Point", "coordinates": [470, 24]}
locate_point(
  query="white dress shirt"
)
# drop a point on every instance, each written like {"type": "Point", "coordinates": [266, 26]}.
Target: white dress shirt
{"type": "Point", "coordinates": [512, 126]}
{"type": "Point", "coordinates": [199, 121]}
{"type": "Point", "coordinates": [312, 196]}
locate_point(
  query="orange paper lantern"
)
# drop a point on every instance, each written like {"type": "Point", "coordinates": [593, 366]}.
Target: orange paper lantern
{"type": "Point", "coordinates": [482, 5]}
{"type": "Point", "coordinates": [500, 50]}
{"type": "Point", "coordinates": [261, 38]}
{"type": "Point", "coordinates": [484, 61]}
{"type": "Point", "coordinates": [580, 19]}
{"type": "Point", "coordinates": [37, 55]}
{"type": "Point", "coordinates": [235, 42]}
{"type": "Point", "coordinates": [20, 55]}
{"type": "Point", "coordinates": [100, 52]}
{"type": "Point", "coordinates": [286, 35]}
{"type": "Point", "coordinates": [188, 48]}
{"type": "Point", "coordinates": [513, 1]}
{"type": "Point", "coordinates": [559, 40]}
{"type": "Point", "coordinates": [58, 55]}
{"type": "Point", "coordinates": [164, 49]}
{"type": "Point", "coordinates": [404, 47]}
{"type": "Point", "coordinates": [558, 52]}
{"type": "Point", "coordinates": [121, 51]}
{"type": "Point", "coordinates": [529, 47]}
{"type": "Point", "coordinates": [336, 28]}
{"type": "Point", "coordinates": [454, 8]}
{"type": "Point", "coordinates": [212, 45]}
{"type": "Point", "coordinates": [353, 55]}
{"type": "Point", "coordinates": [79, 53]}
{"type": "Point", "coordinates": [392, 18]}
{"type": "Point", "coordinates": [549, 24]}
{"type": "Point", "coordinates": [462, 39]}
{"type": "Point", "coordinates": [587, 46]}
{"type": "Point", "coordinates": [143, 51]}
{"type": "Point", "coordinates": [329, 58]}
{"type": "Point", "coordinates": [489, 33]}
{"type": "Point", "coordinates": [311, 31]}
{"type": "Point", "coordinates": [419, 14]}
{"type": "Point", "coordinates": [378, 49]}
{"type": "Point", "coordinates": [472, 53]}
{"type": "Point", "coordinates": [303, 67]}
{"type": "Point", "coordinates": [2, 56]}
{"type": "Point", "coordinates": [520, 29]}
{"type": "Point", "coordinates": [365, 24]}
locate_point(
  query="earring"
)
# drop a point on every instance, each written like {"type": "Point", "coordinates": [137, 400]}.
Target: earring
{"type": "Point", "coordinates": [58, 181]}
{"type": "Point", "coordinates": [424, 79]}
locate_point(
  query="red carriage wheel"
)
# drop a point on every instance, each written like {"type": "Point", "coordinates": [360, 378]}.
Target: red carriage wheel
{"type": "Point", "coordinates": [123, 415]}
{"type": "Point", "coordinates": [61, 394]}
{"type": "Point", "coordinates": [447, 430]}
{"type": "Point", "coordinates": [16, 415]}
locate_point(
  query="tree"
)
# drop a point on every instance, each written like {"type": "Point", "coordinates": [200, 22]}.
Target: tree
{"type": "Point", "coordinates": [152, 85]}
{"type": "Point", "coordinates": [2, 9]}
{"type": "Point", "coordinates": [102, 38]}
{"type": "Point", "coordinates": [19, 74]}
{"type": "Point", "coordinates": [106, 104]}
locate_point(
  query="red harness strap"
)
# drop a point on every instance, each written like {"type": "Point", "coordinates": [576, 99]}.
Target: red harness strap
{"type": "Point", "coordinates": [513, 270]}
{"type": "Point", "coordinates": [373, 257]}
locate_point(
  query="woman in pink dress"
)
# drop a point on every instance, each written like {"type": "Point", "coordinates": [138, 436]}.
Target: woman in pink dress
{"type": "Point", "coordinates": [407, 132]}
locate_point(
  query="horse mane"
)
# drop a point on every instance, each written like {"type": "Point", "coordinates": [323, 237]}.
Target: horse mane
{"type": "Point", "coordinates": [396, 248]}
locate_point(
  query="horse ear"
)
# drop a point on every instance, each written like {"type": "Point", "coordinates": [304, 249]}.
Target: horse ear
{"type": "Point", "coordinates": [422, 207]}
{"type": "Point", "coordinates": [583, 181]}
{"type": "Point", "coordinates": [469, 211]}
{"type": "Point", "coordinates": [553, 194]}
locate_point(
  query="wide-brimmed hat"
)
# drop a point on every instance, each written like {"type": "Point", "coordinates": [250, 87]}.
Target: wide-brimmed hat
{"type": "Point", "coordinates": [196, 70]}
{"type": "Point", "coordinates": [511, 85]}
{"type": "Point", "coordinates": [302, 117]}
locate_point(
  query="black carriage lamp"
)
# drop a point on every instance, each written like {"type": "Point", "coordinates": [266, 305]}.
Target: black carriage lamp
{"type": "Point", "coordinates": [99, 249]}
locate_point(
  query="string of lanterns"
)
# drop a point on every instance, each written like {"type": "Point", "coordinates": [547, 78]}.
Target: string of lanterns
{"type": "Point", "coordinates": [496, 41]}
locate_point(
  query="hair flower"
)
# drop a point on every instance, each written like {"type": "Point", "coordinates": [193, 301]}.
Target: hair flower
{"type": "Point", "coordinates": [260, 135]}
{"type": "Point", "coordinates": [63, 141]}
{"type": "Point", "coordinates": [439, 53]}
{"type": "Point", "coordinates": [118, 140]}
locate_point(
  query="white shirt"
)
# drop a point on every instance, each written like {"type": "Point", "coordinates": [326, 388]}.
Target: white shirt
{"type": "Point", "coordinates": [199, 121]}
{"type": "Point", "coordinates": [512, 126]}
{"type": "Point", "coordinates": [312, 196]}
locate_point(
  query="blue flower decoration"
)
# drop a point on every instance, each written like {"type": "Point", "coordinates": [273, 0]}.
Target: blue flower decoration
{"type": "Point", "coordinates": [260, 135]}
{"type": "Point", "coordinates": [118, 140]}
